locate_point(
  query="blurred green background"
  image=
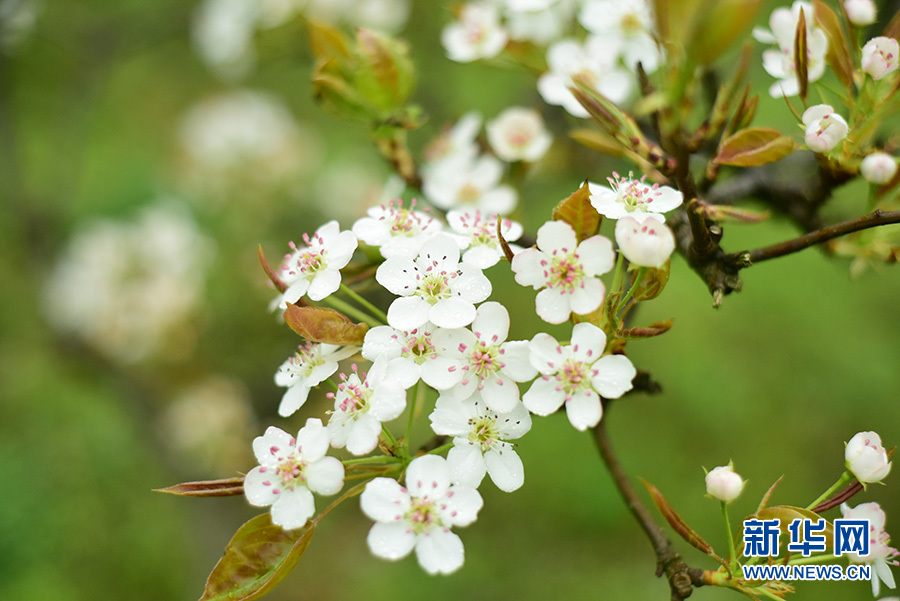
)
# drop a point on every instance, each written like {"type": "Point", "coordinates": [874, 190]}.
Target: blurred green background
{"type": "Point", "coordinates": [95, 101]}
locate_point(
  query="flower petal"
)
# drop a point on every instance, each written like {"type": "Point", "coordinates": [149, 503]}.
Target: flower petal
{"type": "Point", "coordinates": [614, 376]}
{"type": "Point", "coordinates": [452, 312]}
{"type": "Point", "coordinates": [325, 476]}
{"type": "Point", "coordinates": [584, 410]}
{"type": "Point", "coordinates": [393, 540]}
{"type": "Point", "coordinates": [261, 486]}
{"type": "Point", "coordinates": [384, 500]}
{"type": "Point", "coordinates": [428, 477]}
{"type": "Point", "coordinates": [544, 397]}
{"type": "Point", "coordinates": [466, 464]}
{"type": "Point", "coordinates": [491, 323]}
{"type": "Point", "coordinates": [409, 312]}
{"type": "Point", "coordinates": [293, 508]}
{"type": "Point", "coordinates": [505, 468]}
{"type": "Point", "coordinates": [440, 552]}
{"type": "Point", "coordinates": [312, 440]}
{"type": "Point", "coordinates": [552, 306]}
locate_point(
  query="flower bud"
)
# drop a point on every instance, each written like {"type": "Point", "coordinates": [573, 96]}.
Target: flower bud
{"type": "Point", "coordinates": [878, 168]}
{"type": "Point", "coordinates": [824, 128]}
{"type": "Point", "coordinates": [879, 57]}
{"type": "Point", "coordinates": [724, 484]}
{"type": "Point", "coordinates": [866, 458]}
{"type": "Point", "coordinates": [860, 12]}
{"type": "Point", "coordinates": [644, 239]}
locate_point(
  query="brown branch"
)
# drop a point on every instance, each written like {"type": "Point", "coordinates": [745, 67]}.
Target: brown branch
{"type": "Point", "coordinates": [873, 219]}
{"type": "Point", "coordinates": [839, 498]}
{"type": "Point", "coordinates": [682, 579]}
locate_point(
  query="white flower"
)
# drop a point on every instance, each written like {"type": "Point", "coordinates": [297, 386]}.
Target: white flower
{"type": "Point", "coordinates": [565, 271]}
{"type": "Point", "coordinates": [479, 441]}
{"type": "Point", "coordinates": [289, 468]}
{"type": "Point", "coordinates": [780, 63]}
{"type": "Point", "coordinates": [629, 24]}
{"type": "Point", "coordinates": [724, 484]}
{"type": "Point", "coordinates": [477, 34]}
{"type": "Point", "coordinates": [539, 21]}
{"type": "Point", "coordinates": [315, 269]}
{"type": "Point", "coordinates": [478, 234]}
{"type": "Point", "coordinates": [410, 356]}
{"type": "Point", "coordinates": [594, 61]}
{"type": "Point", "coordinates": [577, 375]}
{"type": "Point", "coordinates": [433, 287]}
{"type": "Point", "coordinates": [455, 143]}
{"type": "Point", "coordinates": [866, 458]}
{"type": "Point", "coordinates": [396, 230]}
{"type": "Point", "coordinates": [518, 134]}
{"type": "Point", "coordinates": [824, 128]}
{"type": "Point", "coordinates": [361, 405]}
{"type": "Point", "coordinates": [472, 184]}
{"type": "Point", "coordinates": [878, 168]}
{"type": "Point", "coordinates": [420, 515]}
{"type": "Point", "coordinates": [861, 12]}
{"type": "Point", "coordinates": [645, 239]}
{"type": "Point", "coordinates": [311, 365]}
{"type": "Point", "coordinates": [879, 57]}
{"type": "Point", "coordinates": [489, 363]}
{"type": "Point", "coordinates": [881, 555]}
{"type": "Point", "coordinates": [627, 195]}
{"type": "Point", "coordinates": [222, 33]}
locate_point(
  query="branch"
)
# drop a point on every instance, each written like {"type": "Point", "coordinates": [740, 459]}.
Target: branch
{"type": "Point", "coordinates": [873, 219]}
{"type": "Point", "coordinates": [681, 578]}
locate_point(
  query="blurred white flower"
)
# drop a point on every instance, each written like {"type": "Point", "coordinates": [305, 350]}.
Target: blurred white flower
{"type": "Point", "coordinates": [861, 12]}
{"type": "Point", "coordinates": [539, 21]}
{"type": "Point", "coordinates": [629, 24]}
{"type": "Point", "coordinates": [518, 134]}
{"type": "Point", "coordinates": [395, 230]}
{"type": "Point", "coordinates": [780, 63]}
{"type": "Point", "coordinates": [223, 36]}
{"type": "Point", "coordinates": [878, 168]}
{"type": "Point", "coordinates": [724, 484]}
{"type": "Point", "coordinates": [881, 554]}
{"type": "Point", "coordinates": [880, 57]}
{"type": "Point", "coordinates": [476, 35]}
{"type": "Point", "coordinates": [824, 128]}
{"type": "Point", "coordinates": [17, 19]}
{"type": "Point", "coordinates": [132, 289]}
{"type": "Point", "coordinates": [473, 184]}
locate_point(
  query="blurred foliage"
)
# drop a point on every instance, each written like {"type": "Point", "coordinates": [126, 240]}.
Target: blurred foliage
{"type": "Point", "coordinates": [90, 107]}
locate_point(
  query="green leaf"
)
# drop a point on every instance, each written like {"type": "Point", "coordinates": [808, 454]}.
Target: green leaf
{"type": "Point", "coordinates": [321, 324]}
{"type": "Point", "coordinates": [788, 513]}
{"type": "Point", "coordinates": [753, 147]}
{"type": "Point", "coordinates": [577, 211]}
{"type": "Point", "coordinates": [259, 556]}
{"type": "Point", "coordinates": [385, 76]}
{"type": "Point", "coordinates": [207, 488]}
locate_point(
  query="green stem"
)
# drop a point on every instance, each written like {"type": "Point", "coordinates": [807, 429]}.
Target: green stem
{"type": "Point", "coordinates": [440, 449]}
{"type": "Point", "coordinates": [351, 311]}
{"type": "Point", "coordinates": [418, 395]}
{"type": "Point", "coordinates": [368, 460]}
{"type": "Point", "coordinates": [845, 477]}
{"type": "Point", "coordinates": [331, 383]}
{"type": "Point", "coordinates": [617, 277]}
{"type": "Point", "coordinates": [637, 281]}
{"type": "Point", "coordinates": [389, 437]}
{"type": "Point", "coordinates": [811, 559]}
{"type": "Point", "coordinates": [732, 556]}
{"type": "Point", "coordinates": [362, 301]}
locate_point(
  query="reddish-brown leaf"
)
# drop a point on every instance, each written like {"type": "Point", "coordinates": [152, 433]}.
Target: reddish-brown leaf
{"type": "Point", "coordinates": [801, 58]}
{"type": "Point", "coordinates": [577, 211]}
{"type": "Point", "coordinates": [838, 56]}
{"type": "Point", "coordinates": [321, 324]}
{"type": "Point", "coordinates": [753, 147]}
{"type": "Point", "coordinates": [207, 488]}
{"type": "Point", "coordinates": [654, 329]}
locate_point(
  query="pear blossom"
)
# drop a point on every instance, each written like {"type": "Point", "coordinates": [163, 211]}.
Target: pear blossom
{"type": "Point", "coordinates": [290, 470]}
{"type": "Point", "coordinates": [361, 405]}
{"type": "Point", "coordinates": [478, 233]}
{"type": "Point", "coordinates": [866, 458]}
{"type": "Point", "coordinates": [645, 239]}
{"type": "Point", "coordinates": [576, 375]}
{"type": "Point", "coordinates": [455, 144]}
{"type": "Point", "coordinates": [471, 184]}
{"type": "Point", "coordinates": [420, 515]}
{"type": "Point", "coordinates": [314, 270]}
{"type": "Point", "coordinates": [824, 128]}
{"type": "Point", "coordinates": [881, 555]}
{"type": "Point", "coordinates": [476, 35]}
{"type": "Point", "coordinates": [539, 21]}
{"type": "Point", "coordinates": [627, 195]}
{"type": "Point", "coordinates": [779, 63]}
{"type": "Point", "coordinates": [724, 484]}
{"type": "Point", "coordinates": [480, 438]}
{"type": "Point", "coordinates": [396, 230]}
{"type": "Point", "coordinates": [563, 270]}
{"type": "Point", "coordinates": [878, 168]}
{"type": "Point", "coordinates": [518, 134]}
{"type": "Point", "coordinates": [433, 287]}
{"type": "Point", "coordinates": [629, 24]}
{"type": "Point", "coordinates": [880, 56]}
{"type": "Point", "coordinates": [411, 356]}
{"type": "Point", "coordinates": [490, 364]}
{"type": "Point", "coordinates": [861, 12]}
{"type": "Point", "coordinates": [311, 365]}
{"type": "Point", "coordinates": [593, 61]}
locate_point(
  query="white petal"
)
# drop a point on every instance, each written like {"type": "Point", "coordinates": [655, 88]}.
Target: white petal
{"type": "Point", "coordinates": [324, 284]}
{"type": "Point", "coordinates": [409, 312]}
{"type": "Point", "coordinates": [296, 290]}
{"type": "Point", "coordinates": [439, 552]}
{"type": "Point", "coordinates": [462, 505]}
{"type": "Point", "coordinates": [588, 342]}
{"type": "Point", "coordinates": [442, 373]}
{"type": "Point", "coordinates": [392, 540]}
{"type": "Point", "coordinates": [596, 255]}
{"type": "Point", "coordinates": [293, 508]}
{"type": "Point", "coordinates": [471, 284]}
{"type": "Point", "coordinates": [491, 323]}
{"type": "Point", "coordinates": [545, 353]}
{"type": "Point", "coordinates": [516, 361]}
{"type": "Point", "coordinates": [453, 312]}
{"type": "Point", "coordinates": [273, 444]}
{"type": "Point", "coordinates": [428, 476]}
{"type": "Point", "coordinates": [384, 500]}
{"type": "Point", "coordinates": [543, 398]}
{"type": "Point", "coordinates": [442, 252]}
{"type": "Point", "coordinates": [451, 416]}
{"type": "Point", "coordinates": [481, 256]}
{"type": "Point", "coordinates": [500, 394]}
{"type": "Point", "coordinates": [363, 435]}
{"type": "Point", "coordinates": [312, 440]}
{"type": "Point", "coordinates": [615, 373]}
{"type": "Point", "coordinates": [381, 341]}
{"type": "Point", "coordinates": [584, 410]}
{"type": "Point", "coordinates": [552, 306]}
{"type": "Point", "coordinates": [325, 476]}
{"type": "Point", "coordinates": [341, 250]}
{"type": "Point", "coordinates": [466, 465]}
{"type": "Point", "coordinates": [403, 371]}
{"type": "Point", "coordinates": [587, 297]}
{"type": "Point", "coordinates": [514, 424]}
{"type": "Point", "coordinates": [556, 236]}
{"type": "Point", "coordinates": [388, 401]}
{"type": "Point", "coordinates": [293, 399]}
{"type": "Point", "coordinates": [261, 486]}
{"type": "Point", "coordinates": [527, 265]}
{"type": "Point", "coordinates": [397, 275]}
{"type": "Point", "coordinates": [505, 468]}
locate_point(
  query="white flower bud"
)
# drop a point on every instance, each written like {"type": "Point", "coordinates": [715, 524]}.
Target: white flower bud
{"type": "Point", "coordinates": [878, 168]}
{"type": "Point", "coordinates": [860, 12]}
{"type": "Point", "coordinates": [518, 134]}
{"type": "Point", "coordinates": [879, 57]}
{"type": "Point", "coordinates": [724, 484]}
{"type": "Point", "coordinates": [644, 239]}
{"type": "Point", "coordinates": [824, 128]}
{"type": "Point", "coordinates": [866, 458]}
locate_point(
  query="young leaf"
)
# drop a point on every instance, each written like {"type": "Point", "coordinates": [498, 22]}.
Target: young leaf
{"type": "Point", "coordinates": [839, 56]}
{"type": "Point", "coordinates": [753, 147]}
{"type": "Point", "coordinates": [507, 251]}
{"type": "Point", "coordinates": [788, 513]}
{"type": "Point", "coordinates": [679, 525]}
{"type": "Point", "coordinates": [321, 324]}
{"type": "Point", "coordinates": [277, 281]}
{"type": "Point", "coordinates": [765, 499]}
{"type": "Point", "coordinates": [577, 211]}
{"type": "Point", "coordinates": [207, 488]}
{"type": "Point", "coordinates": [653, 282]}
{"type": "Point", "coordinates": [654, 329]}
{"type": "Point", "coordinates": [259, 556]}
{"type": "Point", "coordinates": [801, 56]}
